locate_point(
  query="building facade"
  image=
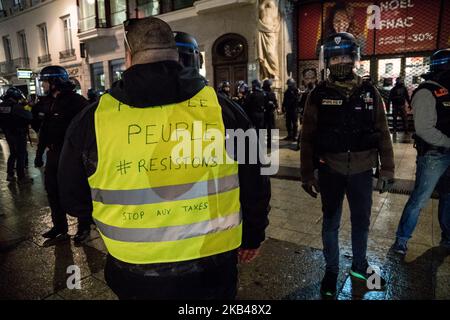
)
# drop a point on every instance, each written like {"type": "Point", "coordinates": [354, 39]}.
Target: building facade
{"type": "Point", "coordinates": [239, 39]}
{"type": "Point", "coordinates": [35, 34]}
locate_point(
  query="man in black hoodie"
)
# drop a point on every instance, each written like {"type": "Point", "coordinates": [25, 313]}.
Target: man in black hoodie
{"type": "Point", "coordinates": [179, 249]}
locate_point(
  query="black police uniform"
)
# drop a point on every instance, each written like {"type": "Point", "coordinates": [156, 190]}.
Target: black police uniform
{"type": "Point", "coordinates": [290, 106]}
{"type": "Point", "coordinates": [346, 124]}
{"type": "Point", "coordinates": [254, 106]}
{"type": "Point", "coordinates": [271, 105]}
{"type": "Point", "coordinates": [14, 122]}
{"type": "Point", "coordinates": [63, 109]}
{"type": "Point", "coordinates": [398, 96]}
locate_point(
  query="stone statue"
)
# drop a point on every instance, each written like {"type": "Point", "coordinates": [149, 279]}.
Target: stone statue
{"type": "Point", "coordinates": [268, 36]}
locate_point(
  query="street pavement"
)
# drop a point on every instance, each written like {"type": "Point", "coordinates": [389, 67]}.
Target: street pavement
{"type": "Point", "coordinates": [291, 263]}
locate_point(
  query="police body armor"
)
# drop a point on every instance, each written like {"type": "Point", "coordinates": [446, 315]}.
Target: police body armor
{"type": "Point", "coordinates": [442, 97]}
{"type": "Point", "coordinates": [346, 124]}
{"type": "Point", "coordinates": [151, 207]}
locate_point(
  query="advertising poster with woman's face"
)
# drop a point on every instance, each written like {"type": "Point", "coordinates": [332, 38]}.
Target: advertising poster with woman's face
{"type": "Point", "coordinates": [396, 26]}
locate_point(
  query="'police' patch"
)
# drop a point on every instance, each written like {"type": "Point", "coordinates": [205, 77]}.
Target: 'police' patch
{"type": "Point", "coordinates": [331, 102]}
{"type": "Point", "coordinates": [446, 103]}
{"type": "Point", "coordinates": [5, 109]}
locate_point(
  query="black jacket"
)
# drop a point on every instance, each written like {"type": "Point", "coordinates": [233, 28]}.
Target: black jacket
{"type": "Point", "coordinates": [399, 95]}
{"type": "Point", "coordinates": [148, 85]}
{"type": "Point", "coordinates": [40, 110]}
{"type": "Point", "coordinates": [271, 102]}
{"type": "Point", "coordinates": [291, 100]}
{"type": "Point", "coordinates": [61, 112]}
{"type": "Point", "coordinates": [13, 115]}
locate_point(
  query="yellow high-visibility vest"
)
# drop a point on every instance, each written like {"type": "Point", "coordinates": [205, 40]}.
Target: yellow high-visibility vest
{"type": "Point", "coordinates": [151, 206]}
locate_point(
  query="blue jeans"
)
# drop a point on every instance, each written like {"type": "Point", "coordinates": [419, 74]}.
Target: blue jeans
{"type": "Point", "coordinates": [430, 168]}
{"type": "Point", "coordinates": [333, 188]}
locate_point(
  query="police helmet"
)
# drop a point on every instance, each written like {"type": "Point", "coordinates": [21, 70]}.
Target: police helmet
{"type": "Point", "coordinates": [291, 82]}
{"type": "Point", "coordinates": [224, 84]}
{"type": "Point", "coordinates": [340, 44]}
{"type": "Point", "coordinates": [440, 61]}
{"type": "Point", "coordinates": [57, 76]}
{"type": "Point", "coordinates": [267, 84]}
{"type": "Point", "coordinates": [13, 93]}
{"type": "Point", "coordinates": [243, 88]}
{"type": "Point", "coordinates": [256, 84]}
{"type": "Point", "coordinates": [188, 50]}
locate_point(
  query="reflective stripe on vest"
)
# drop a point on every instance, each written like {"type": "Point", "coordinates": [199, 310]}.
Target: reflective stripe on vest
{"type": "Point", "coordinates": [169, 233]}
{"type": "Point", "coordinates": [167, 193]}
{"type": "Point", "coordinates": [150, 207]}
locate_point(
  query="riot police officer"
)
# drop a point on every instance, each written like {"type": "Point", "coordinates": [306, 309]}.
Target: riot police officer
{"type": "Point", "coordinates": [66, 104]}
{"type": "Point", "coordinates": [188, 50]}
{"type": "Point", "coordinates": [398, 96]}
{"type": "Point", "coordinates": [431, 108]}
{"type": "Point", "coordinates": [242, 93]}
{"type": "Point", "coordinates": [15, 116]}
{"type": "Point", "coordinates": [344, 135]}
{"type": "Point", "coordinates": [270, 107]}
{"type": "Point", "coordinates": [255, 105]}
{"type": "Point", "coordinates": [225, 89]}
{"type": "Point", "coordinates": [290, 107]}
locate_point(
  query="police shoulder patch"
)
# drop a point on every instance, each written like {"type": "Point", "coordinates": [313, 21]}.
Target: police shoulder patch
{"type": "Point", "coordinates": [446, 103]}
{"type": "Point", "coordinates": [331, 102]}
{"type": "Point", "coordinates": [5, 109]}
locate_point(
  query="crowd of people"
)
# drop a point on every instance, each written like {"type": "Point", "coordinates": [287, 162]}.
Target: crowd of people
{"type": "Point", "coordinates": [157, 249]}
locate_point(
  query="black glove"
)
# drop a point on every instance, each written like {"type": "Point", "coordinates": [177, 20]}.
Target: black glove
{"type": "Point", "coordinates": [38, 163]}
{"type": "Point", "coordinates": [311, 188]}
{"type": "Point", "coordinates": [384, 184]}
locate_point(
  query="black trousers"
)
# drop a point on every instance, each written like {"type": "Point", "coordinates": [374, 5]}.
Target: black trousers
{"type": "Point", "coordinates": [59, 218]}
{"type": "Point", "coordinates": [292, 123]}
{"type": "Point", "coordinates": [358, 189]}
{"type": "Point", "coordinates": [210, 278]}
{"type": "Point", "coordinates": [399, 111]}
{"type": "Point", "coordinates": [17, 143]}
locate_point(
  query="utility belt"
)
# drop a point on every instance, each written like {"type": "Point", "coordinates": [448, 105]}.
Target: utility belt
{"type": "Point", "coordinates": [423, 147]}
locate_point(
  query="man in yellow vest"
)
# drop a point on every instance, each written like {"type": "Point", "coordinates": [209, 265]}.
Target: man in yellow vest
{"type": "Point", "coordinates": [174, 227]}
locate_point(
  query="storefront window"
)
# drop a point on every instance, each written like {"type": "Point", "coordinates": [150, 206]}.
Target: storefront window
{"type": "Point", "coordinates": [414, 68]}
{"type": "Point", "coordinates": [117, 67]}
{"type": "Point", "coordinates": [363, 68]}
{"type": "Point", "coordinates": [147, 8]}
{"type": "Point", "coordinates": [98, 77]}
{"type": "Point", "coordinates": [118, 12]}
{"type": "Point", "coordinates": [388, 71]}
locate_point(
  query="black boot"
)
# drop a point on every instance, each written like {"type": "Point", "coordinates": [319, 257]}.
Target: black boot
{"type": "Point", "coordinates": [328, 285]}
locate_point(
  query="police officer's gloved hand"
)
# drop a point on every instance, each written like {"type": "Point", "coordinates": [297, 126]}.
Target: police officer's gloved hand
{"type": "Point", "coordinates": [384, 184]}
{"type": "Point", "coordinates": [38, 163]}
{"type": "Point", "coordinates": [311, 187]}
